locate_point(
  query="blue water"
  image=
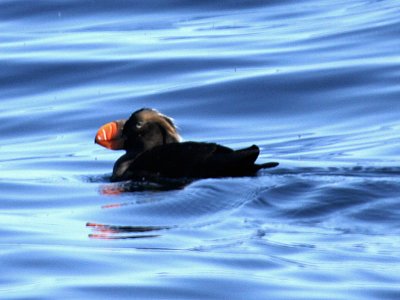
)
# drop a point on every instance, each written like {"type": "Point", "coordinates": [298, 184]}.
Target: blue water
{"type": "Point", "coordinates": [314, 83]}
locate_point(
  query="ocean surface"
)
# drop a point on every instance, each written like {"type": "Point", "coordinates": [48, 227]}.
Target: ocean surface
{"type": "Point", "coordinates": [316, 84]}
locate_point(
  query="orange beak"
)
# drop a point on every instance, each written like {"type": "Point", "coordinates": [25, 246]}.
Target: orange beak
{"type": "Point", "coordinates": [110, 135]}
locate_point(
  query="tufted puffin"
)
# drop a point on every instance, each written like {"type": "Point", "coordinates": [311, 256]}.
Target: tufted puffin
{"type": "Point", "coordinates": [154, 150]}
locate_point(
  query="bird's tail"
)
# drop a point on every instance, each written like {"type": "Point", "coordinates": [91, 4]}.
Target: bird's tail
{"type": "Point", "coordinates": [267, 165]}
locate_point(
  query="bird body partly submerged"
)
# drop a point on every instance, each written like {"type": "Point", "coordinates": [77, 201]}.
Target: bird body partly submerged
{"type": "Point", "coordinates": [153, 151]}
{"type": "Point", "coordinates": [189, 160]}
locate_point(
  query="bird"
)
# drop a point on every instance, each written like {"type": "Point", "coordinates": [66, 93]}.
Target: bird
{"type": "Point", "coordinates": [154, 150]}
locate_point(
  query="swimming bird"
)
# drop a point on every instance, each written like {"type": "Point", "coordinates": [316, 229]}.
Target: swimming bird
{"type": "Point", "coordinates": [154, 150]}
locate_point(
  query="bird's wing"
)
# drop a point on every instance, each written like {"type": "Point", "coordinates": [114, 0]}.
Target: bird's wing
{"type": "Point", "coordinates": [177, 159]}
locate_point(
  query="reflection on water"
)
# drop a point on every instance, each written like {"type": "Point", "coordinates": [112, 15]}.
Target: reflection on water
{"type": "Point", "coordinates": [315, 85]}
{"type": "Point", "coordinates": [162, 184]}
{"type": "Point", "coordinates": [123, 232]}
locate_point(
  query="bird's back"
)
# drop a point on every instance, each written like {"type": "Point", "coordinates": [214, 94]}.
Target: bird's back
{"type": "Point", "coordinates": [194, 160]}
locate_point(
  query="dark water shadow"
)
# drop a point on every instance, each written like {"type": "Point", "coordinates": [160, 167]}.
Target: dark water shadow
{"type": "Point", "coordinates": [116, 188]}
{"type": "Point", "coordinates": [139, 186]}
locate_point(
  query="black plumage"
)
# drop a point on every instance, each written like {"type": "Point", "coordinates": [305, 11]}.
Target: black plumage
{"type": "Point", "coordinates": [153, 150]}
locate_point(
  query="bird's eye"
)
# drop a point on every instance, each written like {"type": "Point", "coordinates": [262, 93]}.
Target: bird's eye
{"type": "Point", "coordinates": [139, 124]}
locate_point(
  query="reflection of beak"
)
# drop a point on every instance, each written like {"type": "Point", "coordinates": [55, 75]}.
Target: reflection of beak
{"type": "Point", "coordinates": [111, 232]}
{"type": "Point", "coordinates": [110, 135]}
